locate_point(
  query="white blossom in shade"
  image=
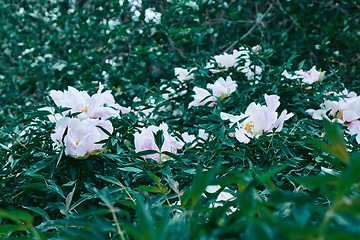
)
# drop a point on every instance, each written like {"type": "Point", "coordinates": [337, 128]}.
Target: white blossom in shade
{"type": "Point", "coordinates": [202, 97]}
{"type": "Point", "coordinates": [187, 137]}
{"type": "Point", "coordinates": [82, 136]}
{"type": "Point", "coordinates": [240, 59]}
{"type": "Point", "coordinates": [145, 140]}
{"type": "Point", "coordinates": [152, 15]}
{"type": "Point", "coordinates": [231, 60]}
{"type": "Point", "coordinates": [71, 98]}
{"type": "Point", "coordinates": [345, 110]}
{"type": "Point", "coordinates": [203, 135]}
{"type": "Point", "coordinates": [222, 197]}
{"type": "Point", "coordinates": [222, 88]}
{"type": "Point", "coordinates": [183, 74]}
{"type": "Point", "coordinates": [289, 76]}
{"type": "Point", "coordinates": [252, 72]}
{"type": "Point", "coordinates": [258, 119]}
{"type": "Point", "coordinates": [310, 76]}
{"type": "Point", "coordinates": [226, 60]}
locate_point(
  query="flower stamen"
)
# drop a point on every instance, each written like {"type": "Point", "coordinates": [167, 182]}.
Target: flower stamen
{"type": "Point", "coordinates": [85, 109]}
{"type": "Point", "coordinates": [339, 114]}
{"type": "Point", "coordinates": [249, 126]}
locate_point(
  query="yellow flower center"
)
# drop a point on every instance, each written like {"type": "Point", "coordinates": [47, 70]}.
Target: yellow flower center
{"type": "Point", "coordinates": [339, 114]}
{"type": "Point", "coordinates": [85, 109]}
{"type": "Point", "coordinates": [249, 126]}
{"type": "Point", "coordinates": [77, 142]}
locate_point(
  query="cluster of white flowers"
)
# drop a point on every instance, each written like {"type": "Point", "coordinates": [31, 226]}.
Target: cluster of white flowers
{"type": "Point", "coordinates": [309, 77]}
{"type": "Point", "coordinates": [346, 111]}
{"type": "Point", "coordinates": [150, 13]}
{"type": "Point", "coordinates": [239, 59]}
{"type": "Point", "coordinates": [257, 119]}
{"type": "Point", "coordinates": [85, 123]}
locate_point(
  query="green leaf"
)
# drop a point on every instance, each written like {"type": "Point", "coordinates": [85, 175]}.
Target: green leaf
{"type": "Point", "coordinates": [131, 169]}
{"type": "Point", "coordinates": [198, 186]}
{"type": "Point", "coordinates": [313, 182]}
{"type": "Point", "coordinates": [39, 211]}
{"type": "Point", "coordinates": [11, 228]}
{"type": "Point", "coordinates": [55, 188]}
{"type": "Point", "coordinates": [152, 189]}
{"type": "Point", "coordinates": [265, 178]}
{"type": "Point", "coordinates": [337, 146]}
{"type": "Point", "coordinates": [155, 178]}
{"type": "Point", "coordinates": [37, 185]}
{"type": "Point", "coordinates": [349, 176]}
{"type": "Point", "coordinates": [143, 153]}
{"type": "Point", "coordinates": [159, 138]}
{"type": "Point", "coordinates": [18, 216]}
{"type": "Point", "coordinates": [69, 198]}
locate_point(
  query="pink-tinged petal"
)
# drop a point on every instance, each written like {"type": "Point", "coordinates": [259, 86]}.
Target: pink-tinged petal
{"type": "Point", "coordinates": [349, 116]}
{"type": "Point", "coordinates": [187, 137]}
{"type": "Point", "coordinates": [272, 102]}
{"type": "Point", "coordinates": [124, 110]}
{"type": "Point", "coordinates": [354, 128]}
{"type": "Point", "coordinates": [183, 74]}
{"type": "Point", "coordinates": [280, 121]}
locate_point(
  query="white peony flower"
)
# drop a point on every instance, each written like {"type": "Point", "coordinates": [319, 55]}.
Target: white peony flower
{"type": "Point", "coordinates": [71, 98]}
{"type": "Point", "coordinates": [289, 76]}
{"type": "Point", "coordinates": [222, 88]}
{"type": "Point", "coordinates": [310, 76]}
{"type": "Point", "coordinates": [354, 129]}
{"type": "Point", "coordinates": [100, 105]}
{"type": "Point", "coordinates": [183, 74]}
{"type": "Point", "coordinates": [258, 119]}
{"type": "Point", "coordinates": [82, 136]}
{"type": "Point", "coordinates": [145, 140]}
{"type": "Point", "coordinates": [240, 59]}
{"type": "Point", "coordinates": [346, 111]}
